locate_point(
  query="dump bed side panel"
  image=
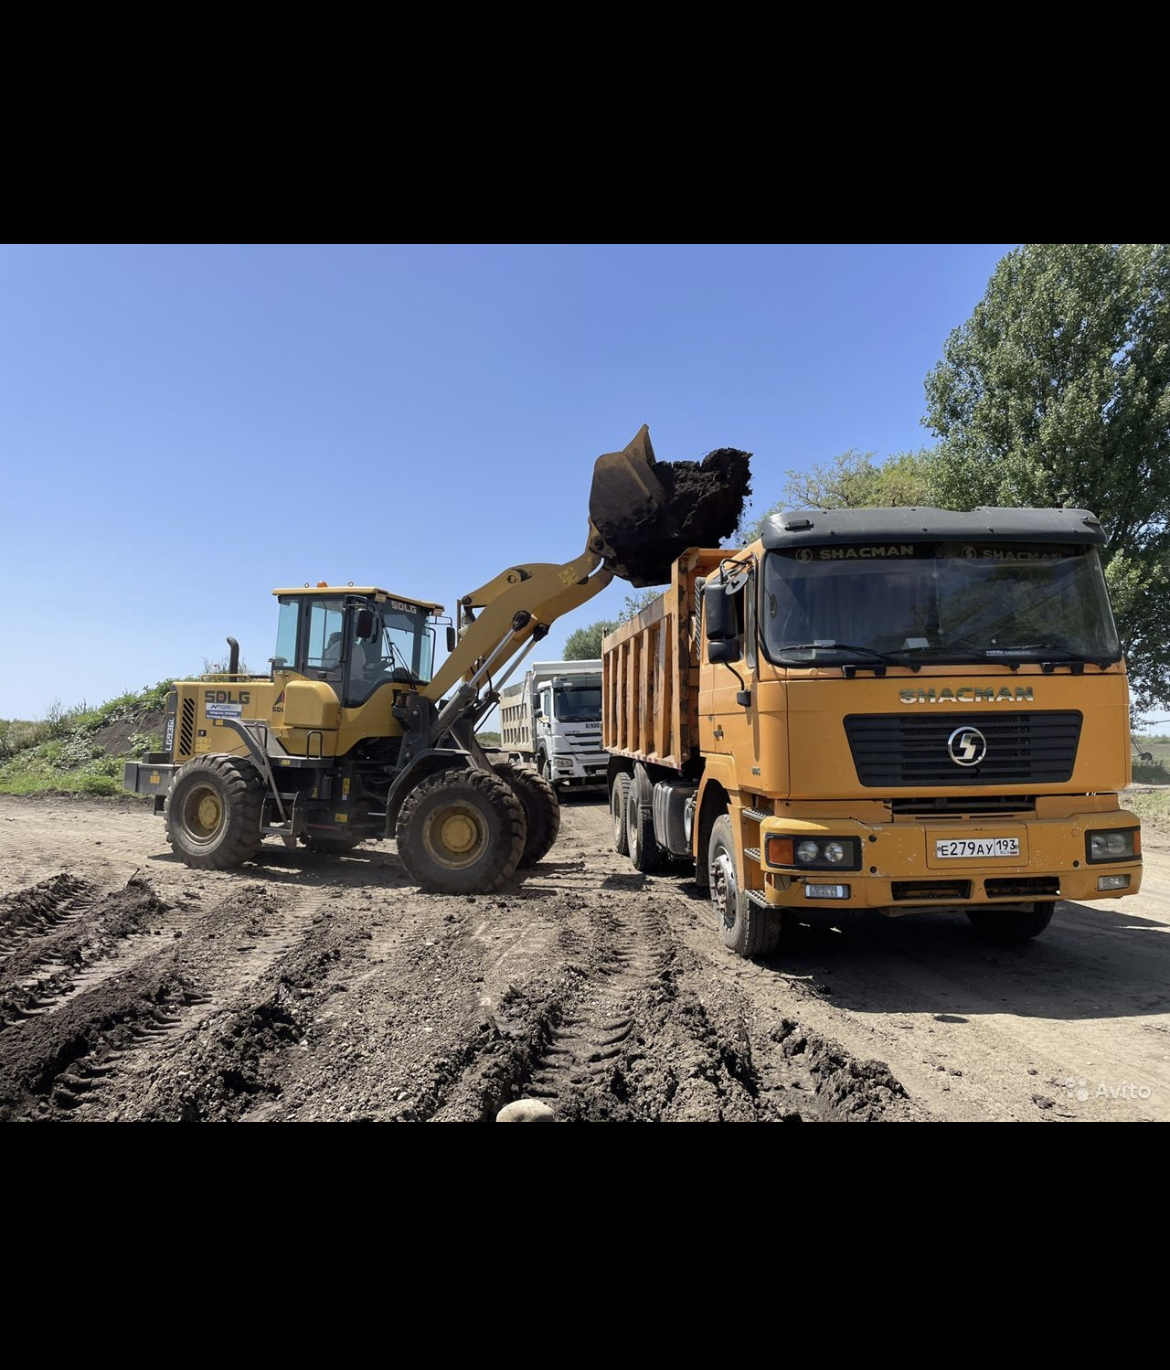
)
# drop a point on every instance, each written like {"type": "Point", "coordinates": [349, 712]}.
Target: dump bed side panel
{"type": "Point", "coordinates": [650, 675]}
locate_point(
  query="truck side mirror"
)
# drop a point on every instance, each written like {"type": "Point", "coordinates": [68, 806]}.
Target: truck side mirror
{"type": "Point", "coordinates": [450, 638]}
{"type": "Point", "coordinates": [364, 627]}
{"type": "Point", "coordinates": [718, 614]}
{"type": "Point", "coordinates": [725, 650]}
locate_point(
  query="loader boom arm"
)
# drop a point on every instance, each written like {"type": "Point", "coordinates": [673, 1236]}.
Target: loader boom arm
{"type": "Point", "coordinates": [543, 590]}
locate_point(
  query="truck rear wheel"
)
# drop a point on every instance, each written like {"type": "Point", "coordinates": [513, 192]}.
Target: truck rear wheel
{"type": "Point", "coordinates": [213, 812]}
{"type": "Point", "coordinates": [645, 852]}
{"type": "Point", "coordinates": [542, 809]}
{"type": "Point", "coordinates": [461, 831]}
{"type": "Point", "coordinates": [1011, 925]}
{"type": "Point", "coordinates": [745, 927]}
{"type": "Point", "coordinates": [618, 798]}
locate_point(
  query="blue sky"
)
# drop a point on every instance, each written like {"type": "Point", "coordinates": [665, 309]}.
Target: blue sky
{"type": "Point", "coordinates": [184, 428]}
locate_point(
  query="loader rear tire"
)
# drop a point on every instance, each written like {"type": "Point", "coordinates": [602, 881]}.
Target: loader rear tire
{"type": "Point", "coordinates": [618, 799]}
{"type": "Point", "coordinates": [213, 812]}
{"type": "Point", "coordinates": [542, 809]}
{"type": "Point", "coordinates": [645, 852]}
{"type": "Point", "coordinates": [461, 831]}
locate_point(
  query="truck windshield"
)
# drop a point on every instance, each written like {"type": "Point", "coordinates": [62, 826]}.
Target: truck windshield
{"type": "Point", "coordinates": [577, 703]}
{"type": "Point", "coordinates": [948, 603]}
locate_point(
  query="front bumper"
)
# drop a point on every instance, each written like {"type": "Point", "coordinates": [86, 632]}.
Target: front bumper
{"type": "Point", "coordinates": [587, 768]}
{"type": "Point", "coordinates": [901, 870]}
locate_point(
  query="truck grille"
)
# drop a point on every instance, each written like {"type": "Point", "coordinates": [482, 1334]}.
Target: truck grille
{"type": "Point", "coordinates": [1021, 748]}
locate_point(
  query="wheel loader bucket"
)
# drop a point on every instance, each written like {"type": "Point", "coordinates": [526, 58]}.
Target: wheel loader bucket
{"type": "Point", "coordinates": [646, 513]}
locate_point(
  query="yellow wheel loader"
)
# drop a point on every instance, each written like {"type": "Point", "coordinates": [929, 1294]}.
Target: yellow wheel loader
{"type": "Point", "coordinates": [355, 736]}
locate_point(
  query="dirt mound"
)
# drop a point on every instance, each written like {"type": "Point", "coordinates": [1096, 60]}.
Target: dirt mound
{"type": "Point", "coordinates": [115, 739]}
{"type": "Point", "coordinates": [648, 512]}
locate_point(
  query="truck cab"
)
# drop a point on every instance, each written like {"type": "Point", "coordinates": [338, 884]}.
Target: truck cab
{"type": "Point", "coordinates": [889, 709]}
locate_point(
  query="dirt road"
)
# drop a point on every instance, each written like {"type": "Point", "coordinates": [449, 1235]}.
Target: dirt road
{"type": "Point", "coordinates": [307, 987]}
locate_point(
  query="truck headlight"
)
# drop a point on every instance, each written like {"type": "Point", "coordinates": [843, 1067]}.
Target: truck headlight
{"type": "Point", "coordinates": [844, 853]}
{"type": "Point", "coordinates": [1114, 844]}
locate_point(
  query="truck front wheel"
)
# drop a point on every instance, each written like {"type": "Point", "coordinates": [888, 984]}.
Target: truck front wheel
{"type": "Point", "coordinates": [745, 927]}
{"type": "Point", "coordinates": [1011, 925]}
{"type": "Point", "coordinates": [461, 832]}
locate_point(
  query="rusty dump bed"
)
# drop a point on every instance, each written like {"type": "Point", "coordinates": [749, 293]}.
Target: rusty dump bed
{"type": "Point", "coordinates": [650, 674]}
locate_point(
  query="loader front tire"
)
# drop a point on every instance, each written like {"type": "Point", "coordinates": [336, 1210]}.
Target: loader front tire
{"type": "Point", "coordinates": [461, 831]}
{"type": "Point", "coordinates": [542, 809]}
{"type": "Point", "coordinates": [213, 812]}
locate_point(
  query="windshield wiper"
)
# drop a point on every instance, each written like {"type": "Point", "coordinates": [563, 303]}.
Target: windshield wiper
{"type": "Point", "coordinates": [886, 658]}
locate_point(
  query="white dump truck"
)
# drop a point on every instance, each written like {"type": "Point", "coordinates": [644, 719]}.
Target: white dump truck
{"type": "Point", "coordinates": [552, 720]}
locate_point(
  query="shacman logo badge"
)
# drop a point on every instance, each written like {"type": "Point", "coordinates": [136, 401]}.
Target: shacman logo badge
{"type": "Point", "coordinates": [967, 746]}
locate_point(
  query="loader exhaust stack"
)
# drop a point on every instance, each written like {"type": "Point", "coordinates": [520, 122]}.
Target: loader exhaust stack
{"type": "Point", "coordinates": [646, 513]}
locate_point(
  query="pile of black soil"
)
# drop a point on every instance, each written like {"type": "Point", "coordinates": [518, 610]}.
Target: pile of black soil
{"type": "Point", "coordinates": [649, 512]}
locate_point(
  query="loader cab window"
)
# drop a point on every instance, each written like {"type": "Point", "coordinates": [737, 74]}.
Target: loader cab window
{"type": "Point", "coordinates": [324, 636]}
{"type": "Point", "coordinates": [286, 634]}
{"type": "Point", "coordinates": [401, 651]}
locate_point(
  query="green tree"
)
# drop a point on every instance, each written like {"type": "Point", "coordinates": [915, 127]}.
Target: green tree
{"type": "Point", "coordinates": [854, 480]}
{"type": "Point", "coordinates": [1055, 392]}
{"type": "Point", "coordinates": [583, 644]}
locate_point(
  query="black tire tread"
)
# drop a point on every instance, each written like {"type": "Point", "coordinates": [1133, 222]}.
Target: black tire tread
{"type": "Point", "coordinates": [756, 931]}
{"type": "Point", "coordinates": [499, 796]}
{"type": "Point", "coordinates": [244, 791]}
{"type": "Point", "coordinates": [542, 809]}
{"type": "Point", "coordinates": [645, 853]}
{"type": "Point", "coordinates": [1006, 926]}
{"type": "Point", "coordinates": [620, 795]}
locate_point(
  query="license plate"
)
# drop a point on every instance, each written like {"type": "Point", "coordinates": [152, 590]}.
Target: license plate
{"type": "Point", "coordinates": [968, 848]}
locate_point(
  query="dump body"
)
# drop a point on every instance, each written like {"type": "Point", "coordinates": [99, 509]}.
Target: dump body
{"type": "Point", "coordinates": [932, 707]}
{"type": "Point", "coordinates": [552, 720]}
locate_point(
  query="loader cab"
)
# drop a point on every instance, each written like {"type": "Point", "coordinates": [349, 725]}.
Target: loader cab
{"type": "Point", "coordinates": [355, 639]}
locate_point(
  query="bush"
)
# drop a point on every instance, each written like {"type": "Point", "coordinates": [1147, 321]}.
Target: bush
{"type": "Point", "coordinates": [99, 784]}
{"type": "Point", "coordinates": [1150, 773]}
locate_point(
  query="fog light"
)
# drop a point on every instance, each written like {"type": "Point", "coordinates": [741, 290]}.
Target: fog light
{"type": "Point", "coordinates": [1113, 882]}
{"type": "Point", "coordinates": [807, 851]}
{"type": "Point", "coordinates": [826, 891]}
{"type": "Point", "coordinates": [834, 852]}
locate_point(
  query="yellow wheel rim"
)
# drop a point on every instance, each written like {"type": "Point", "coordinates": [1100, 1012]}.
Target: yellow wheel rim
{"type": "Point", "coordinates": [456, 836]}
{"type": "Point", "coordinates": [203, 813]}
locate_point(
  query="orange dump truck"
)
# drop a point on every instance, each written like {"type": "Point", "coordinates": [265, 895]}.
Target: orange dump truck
{"type": "Point", "coordinates": [892, 709]}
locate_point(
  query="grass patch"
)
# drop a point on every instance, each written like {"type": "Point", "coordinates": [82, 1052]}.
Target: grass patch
{"type": "Point", "coordinates": [58, 752]}
{"type": "Point", "coordinates": [1148, 803]}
